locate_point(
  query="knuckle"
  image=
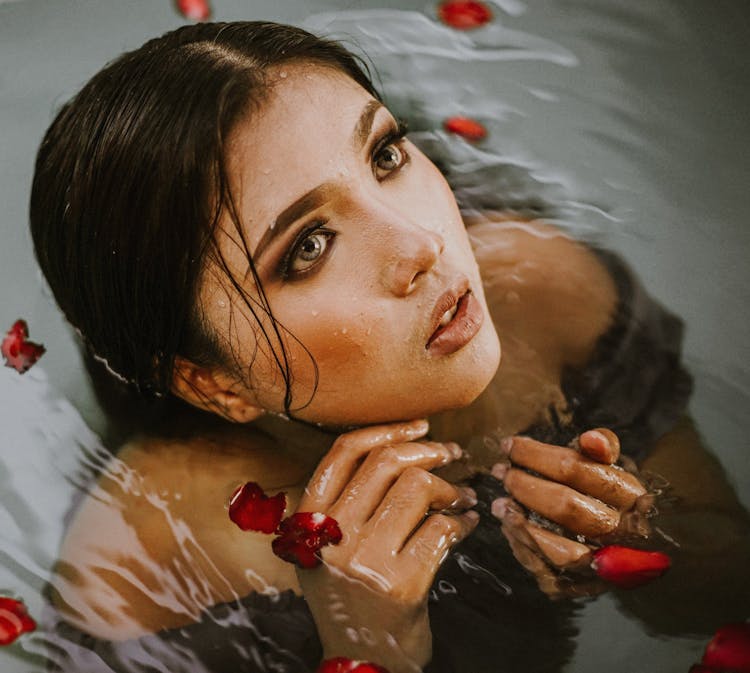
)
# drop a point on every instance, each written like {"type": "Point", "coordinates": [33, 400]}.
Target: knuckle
{"type": "Point", "coordinates": [568, 466]}
{"type": "Point", "coordinates": [342, 446]}
{"type": "Point", "coordinates": [511, 480]}
{"type": "Point", "coordinates": [385, 455]}
{"type": "Point", "coordinates": [442, 523]}
{"type": "Point", "coordinates": [416, 477]}
{"type": "Point", "coordinates": [569, 509]}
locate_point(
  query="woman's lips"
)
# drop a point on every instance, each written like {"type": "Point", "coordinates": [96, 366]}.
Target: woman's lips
{"type": "Point", "coordinates": [460, 330]}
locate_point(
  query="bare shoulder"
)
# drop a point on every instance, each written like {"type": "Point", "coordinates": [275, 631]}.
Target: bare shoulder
{"type": "Point", "coordinates": [152, 544]}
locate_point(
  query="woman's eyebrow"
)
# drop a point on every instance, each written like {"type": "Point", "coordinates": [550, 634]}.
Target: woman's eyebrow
{"type": "Point", "coordinates": [317, 196]}
{"type": "Point", "coordinates": [364, 124]}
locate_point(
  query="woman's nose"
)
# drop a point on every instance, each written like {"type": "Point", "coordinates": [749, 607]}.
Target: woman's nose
{"type": "Point", "coordinates": [418, 251]}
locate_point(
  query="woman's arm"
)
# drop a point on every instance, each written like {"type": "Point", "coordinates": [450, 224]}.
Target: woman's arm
{"type": "Point", "coordinates": [586, 291]}
{"type": "Point", "coordinates": [706, 530]}
{"type": "Point", "coordinates": [399, 521]}
{"type": "Point", "coordinates": [152, 545]}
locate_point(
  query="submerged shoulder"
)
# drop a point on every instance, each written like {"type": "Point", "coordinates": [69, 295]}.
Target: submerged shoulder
{"type": "Point", "coordinates": [552, 289]}
{"type": "Point", "coordinates": [152, 545]}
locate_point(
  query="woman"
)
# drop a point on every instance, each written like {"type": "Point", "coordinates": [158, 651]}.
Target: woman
{"type": "Point", "coordinates": [232, 219]}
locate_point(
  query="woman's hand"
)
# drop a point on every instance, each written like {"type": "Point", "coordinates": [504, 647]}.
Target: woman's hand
{"type": "Point", "coordinates": [581, 490]}
{"type": "Point", "coordinates": [369, 597]}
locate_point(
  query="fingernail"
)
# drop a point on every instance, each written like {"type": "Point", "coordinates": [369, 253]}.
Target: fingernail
{"type": "Point", "coordinates": [471, 514]}
{"type": "Point", "coordinates": [596, 434]}
{"type": "Point", "coordinates": [455, 449]}
{"type": "Point", "coordinates": [499, 470]}
{"type": "Point", "coordinates": [499, 508]}
{"type": "Point", "coordinates": [506, 445]}
{"type": "Point", "coordinates": [469, 496]}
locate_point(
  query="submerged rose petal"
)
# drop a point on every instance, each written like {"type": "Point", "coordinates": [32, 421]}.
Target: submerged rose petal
{"type": "Point", "coordinates": [464, 14]}
{"type": "Point", "coordinates": [302, 535]}
{"type": "Point", "coordinates": [729, 649]}
{"type": "Point", "coordinates": [17, 351]}
{"type": "Point", "coordinates": [465, 127]}
{"type": "Point", "coordinates": [251, 509]}
{"type": "Point", "coordinates": [345, 665]}
{"type": "Point", "coordinates": [628, 568]}
{"type": "Point", "coordinates": [197, 10]}
{"type": "Point", "coordinates": [14, 620]}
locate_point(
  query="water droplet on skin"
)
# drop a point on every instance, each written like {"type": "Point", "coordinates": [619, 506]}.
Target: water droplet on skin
{"type": "Point", "coordinates": [512, 297]}
{"type": "Point", "coordinates": [221, 303]}
{"type": "Point", "coordinates": [344, 330]}
{"type": "Point", "coordinates": [283, 75]}
{"type": "Point", "coordinates": [314, 313]}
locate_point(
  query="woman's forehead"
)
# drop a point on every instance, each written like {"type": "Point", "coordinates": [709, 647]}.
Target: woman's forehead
{"type": "Point", "coordinates": [298, 138]}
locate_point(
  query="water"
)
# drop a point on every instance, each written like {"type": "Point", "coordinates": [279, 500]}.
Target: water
{"type": "Point", "coordinates": [626, 123]}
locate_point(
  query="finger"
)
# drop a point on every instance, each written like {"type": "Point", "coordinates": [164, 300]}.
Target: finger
{"type": "Point", "coordinates": [557, 550]}
{"type": "Point", "coordinates": [576, 512]}
{"type": "Point", "coordinates": [337, 467]}
{"type": "Point", "coordinates": [429, 545]}
{"type": "Point", "coordinates": [527, 553]}
{"type": "Point", "coordinates": [415, 493]}
{"type": "Point", "coordinates": [380, 470]}
{"type": "Point", "coordinates": [610, 484]}
{"type": "Point", "coordinates": [601, 445]}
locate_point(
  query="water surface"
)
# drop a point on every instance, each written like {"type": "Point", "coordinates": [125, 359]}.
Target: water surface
{"type": "Point", "coordinates": [626, 123]}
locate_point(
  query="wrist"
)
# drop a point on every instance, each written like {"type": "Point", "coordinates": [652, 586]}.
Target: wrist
{"type": "Point", "coordinates": [397, 649]}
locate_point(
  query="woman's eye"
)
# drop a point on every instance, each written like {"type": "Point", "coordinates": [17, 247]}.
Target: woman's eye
{"type": "Point", "coordinates": [309, 251]}
{"type": "Point", "coordinates": [388, 160]}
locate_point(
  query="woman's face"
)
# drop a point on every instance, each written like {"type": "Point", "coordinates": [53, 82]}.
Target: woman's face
{"type": "Point", "coordinates": [360, 249]}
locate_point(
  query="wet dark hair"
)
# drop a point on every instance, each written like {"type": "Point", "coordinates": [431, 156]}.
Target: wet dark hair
{"type": "Point", "coordinates": [130, 184]}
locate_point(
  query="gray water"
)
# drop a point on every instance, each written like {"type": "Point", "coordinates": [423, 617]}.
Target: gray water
{"type": "Point", "coordinates": [631, 119]}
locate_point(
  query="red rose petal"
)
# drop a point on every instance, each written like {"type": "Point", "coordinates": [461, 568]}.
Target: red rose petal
{"type": "Point", "coordinates": [302, 535]}
{"type": "Point", "coordinates": [19, 353]}
{"type": "Point", "coordinates": [628, 568]}
{"type": "Point", "coordinates": [14, 620]}
{"type": "Point", "coordinates": [729, 649]}
{"type": "Point", "coordinates": [251, 509]}
{"type": "Point", "coordinates": [465, 127]}
{"type": "Point", "coordinates": [464, 14]}
{"type": "Point", "coordinates": [196, 10]}
{"type": "Point", "coordinates": [345, 665]}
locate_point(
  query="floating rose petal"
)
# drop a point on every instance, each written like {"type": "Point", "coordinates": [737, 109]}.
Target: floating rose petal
{"type": "Point", "coordinates": [196, 10]}
{"type": "Point", "coordinates": [729, 649]}
{"type": "Point", "coordinates": [14, 620]}
{"type": "Point", "coordinates": [465, 127]}
{"type": "Point", "coordinates": [628, 568]}
{"type": "Point", "coordinates": [464, 14]}
{"type": "Point", "coordinates": [251, 509]}
{"type": "Point", "coordinates": [344, 665]}
{"type": "Point", "coordinates": [19, 353]}
{"type": "Point", "coordinates": [302, 535]}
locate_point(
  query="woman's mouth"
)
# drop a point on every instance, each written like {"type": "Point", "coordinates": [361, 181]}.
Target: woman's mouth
{"type": "Point", "coordinates": [457, 326]}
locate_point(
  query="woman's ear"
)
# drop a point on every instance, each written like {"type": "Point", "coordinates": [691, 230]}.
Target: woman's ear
{"type": "Point", "coordinates": [212, 389]}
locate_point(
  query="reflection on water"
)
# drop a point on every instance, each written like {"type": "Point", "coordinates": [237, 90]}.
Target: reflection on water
{"type": "Point", "coordinates": [597, 117]}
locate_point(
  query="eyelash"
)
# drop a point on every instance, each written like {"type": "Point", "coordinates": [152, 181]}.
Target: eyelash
{"type": "Point", "coordinates": [285, 267]}
{"type": "Point", "coordinates": [393, 137]}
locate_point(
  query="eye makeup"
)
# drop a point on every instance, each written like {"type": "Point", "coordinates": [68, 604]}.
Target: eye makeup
{"type": "Point", "coordinates": [393, 136]}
